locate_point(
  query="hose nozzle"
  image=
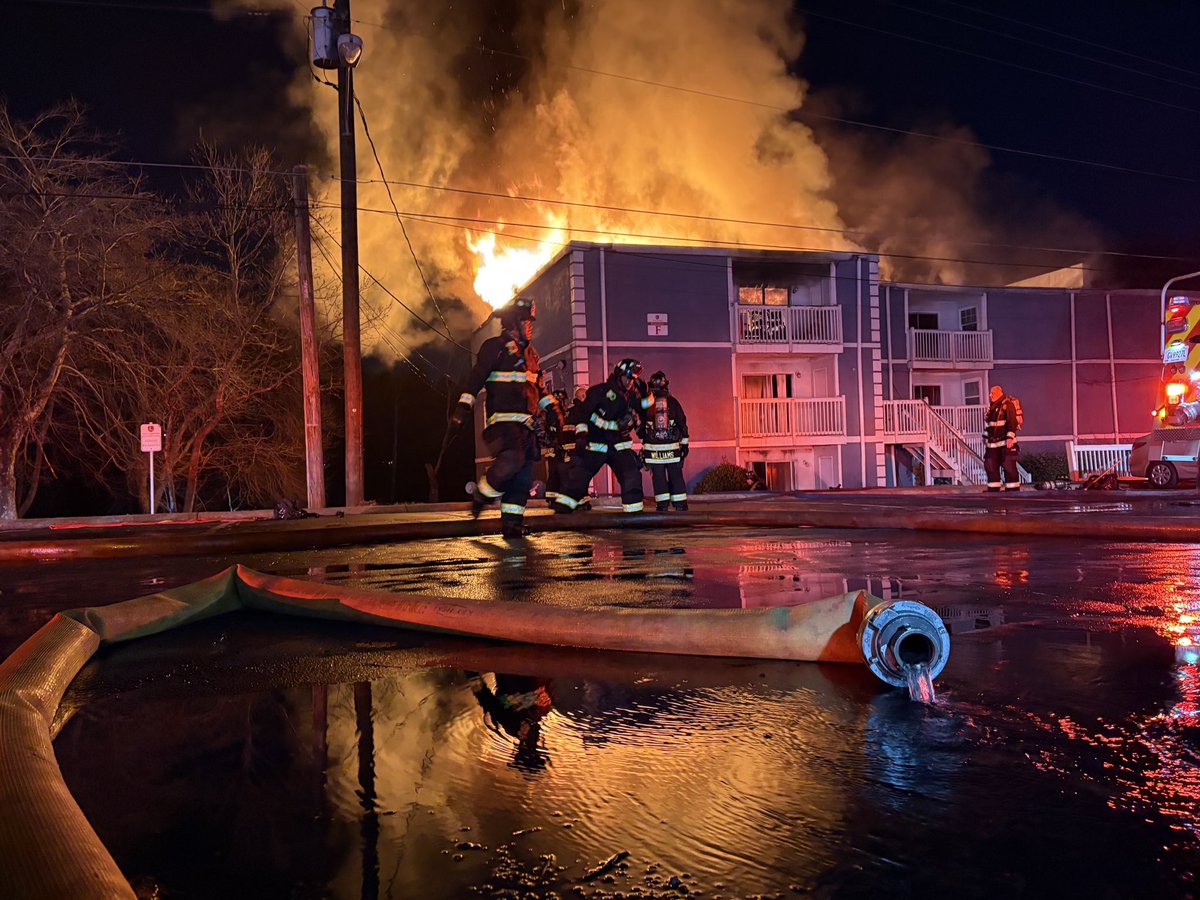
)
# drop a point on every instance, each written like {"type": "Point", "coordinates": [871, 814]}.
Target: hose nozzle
{"type": "Point", "coordinates": [900, 634]}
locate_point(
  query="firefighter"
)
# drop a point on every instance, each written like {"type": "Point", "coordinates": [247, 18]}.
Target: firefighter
{"type": "Point", "coordinates": [507, 366]}
{"type": "Point", "coordinates": [606, 417]}
{"type": "Point", "coordinates": [664, 434]}
{"type": "Point", "coordinates": [571, 420]}
{"type": "Point", "coordinates": [560, 442]}
{"type": "Point", "coordinates": [1000, 439]}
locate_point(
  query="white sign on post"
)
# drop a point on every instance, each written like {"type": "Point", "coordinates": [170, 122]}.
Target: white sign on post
{"type": "Point", "coordinates": [656, 324]}
{"type": "Point", "coordinates": [151, 443]}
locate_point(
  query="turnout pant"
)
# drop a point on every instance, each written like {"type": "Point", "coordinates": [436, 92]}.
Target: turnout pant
{"type": "Point", "coordinates": [669, 486]}
{"type": "Point", "coordinates": [587, 463]}
{"type": "Point", "coordinates": [514, 448]}
{"type": "Point", "coordinates": [997, 458]}
{"type": "Point", "coordinates": [559, 471]}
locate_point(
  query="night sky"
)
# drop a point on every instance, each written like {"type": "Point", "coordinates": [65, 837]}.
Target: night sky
{"type": "Point", "coordinates": [161, 72]}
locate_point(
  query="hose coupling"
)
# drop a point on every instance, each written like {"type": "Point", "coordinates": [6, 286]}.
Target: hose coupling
{"type": "Point", "coordinates": [900, 634]}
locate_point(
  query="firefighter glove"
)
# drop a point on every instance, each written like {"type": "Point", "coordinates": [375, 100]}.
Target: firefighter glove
{"type": "Point", "coordinates": [459, 415]}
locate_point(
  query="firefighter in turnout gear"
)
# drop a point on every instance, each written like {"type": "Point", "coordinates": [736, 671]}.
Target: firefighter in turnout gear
{"type": "Point", "coordinates": [606, 418]}
{"type": "Point", "coordinates": [664, 434]}
{"type": "Point", "coordinates": [1000, 440]}
{"type": "Point", "coordinates": [560, 443]}
{"type": "Point", "coordinates": [508, 367]}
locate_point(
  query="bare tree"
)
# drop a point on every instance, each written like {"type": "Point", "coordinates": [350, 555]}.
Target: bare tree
{"type": "Point", "coordinates": [74, 238]}
{"type": "Point", "coordinates": [208, 356]}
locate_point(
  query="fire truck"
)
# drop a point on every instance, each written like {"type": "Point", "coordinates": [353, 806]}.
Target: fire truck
{"type": "Point", "coordinates": [1169, 451]}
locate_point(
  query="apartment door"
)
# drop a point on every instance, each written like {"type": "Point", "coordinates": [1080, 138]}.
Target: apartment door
{"type": "Point", "coordinates": [826, 471]}
{"type": "Point", "coordinates": [806, 469]}
{"type": "Point", "coordinates": [822, 380]}
{"type": "Point", "coordinates": [779, 476]}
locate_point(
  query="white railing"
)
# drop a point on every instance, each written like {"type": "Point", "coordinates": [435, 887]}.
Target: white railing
{"type": "Point", "coordinates": [789, 324]}
{"type": "Point", "coordinates": [966, 420]}
{"type": "Point", "coordinates": [949, 346]}
{"type": "Point", "coordinates": [818, 417]}
{"type": "Point", "coordinates": [1088, 459]}
{"type": "Point", "coordinates": [917, 420]}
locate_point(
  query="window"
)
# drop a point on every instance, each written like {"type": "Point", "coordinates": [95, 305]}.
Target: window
{"type": "Point", "coordinates": [924, 321]}
{"type": "Point", "coordinates": [750, 296]}
{"type": "Point", "coordinates": [766, 387]}
{"type": "Point", "coordinates": [763, 296]}
{"type": "Point", "coordinates": [972, 393]}
{"type": "Point", "coordinates": [930, 393]}
{"type": "Point", "coordinates": [968, 318]}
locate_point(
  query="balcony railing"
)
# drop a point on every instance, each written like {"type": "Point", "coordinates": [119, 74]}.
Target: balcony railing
{"type": "Point", "coordinates": [785, 325]}
{"type": "Point", "coordinates": [954, 347]}
{"type": "Point", "coordinates": [790, 418]}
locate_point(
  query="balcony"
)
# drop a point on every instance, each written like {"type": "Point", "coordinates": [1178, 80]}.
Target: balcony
{"type": "Point", "coordinates": [949, 349]}
{"type": "Point", "coordinates": [787, 329]}
{"type": "Point", "coordinates": [782, 423]}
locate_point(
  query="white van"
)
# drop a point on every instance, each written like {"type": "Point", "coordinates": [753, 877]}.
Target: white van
{"type": "Point", "coordinates": [1163, 463]}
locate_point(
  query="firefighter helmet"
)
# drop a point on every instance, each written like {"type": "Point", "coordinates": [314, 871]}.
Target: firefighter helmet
{"type": "Point", "coordinates": [659, 382]}
{"type": "Point", "coordinates": [519, 309]}
{"type": "Point", "coordinates": [628, 368]}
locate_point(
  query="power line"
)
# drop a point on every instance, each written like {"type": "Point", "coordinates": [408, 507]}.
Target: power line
{"type": "Point", "coordinates": [208, 12]}
{"type": "Point", "coordinates": [416, 262]}
{"type": "Point", "coordinates": [798, 113]}
{"type": "Point", "coordinates": [731, 221]}
{"type": "Point", "coordinates": [422, 216]}
{"type": "Point", "coordinates": [1069, 37]}
{"type": "Point", "coordinates": [610, 208]}
{"type": "Point", "coordinates": [993, 59]}
{"type": "Point", "coordinates": [385, 330]}
{"type": "Point", "coordinates": [388, 291]}
{"type": "Point", "coordinates": [527, 198]}
{"type": "Point", "coordinates": [1041, 44]}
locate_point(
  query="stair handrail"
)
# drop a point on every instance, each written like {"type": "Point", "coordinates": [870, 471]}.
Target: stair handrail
{"type": "Point", "coordinates": [950, 444]}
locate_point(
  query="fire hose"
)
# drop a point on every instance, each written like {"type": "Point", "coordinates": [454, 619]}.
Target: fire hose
{"type": "Point", "coordinates": [49, 848]}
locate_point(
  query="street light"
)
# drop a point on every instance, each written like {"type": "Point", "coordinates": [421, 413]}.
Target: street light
{"type": "Point", "coordinates": [349, 48]}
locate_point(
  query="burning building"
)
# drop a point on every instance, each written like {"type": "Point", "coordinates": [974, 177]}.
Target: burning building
{"type": "Point", "coordinates": [809, 369]}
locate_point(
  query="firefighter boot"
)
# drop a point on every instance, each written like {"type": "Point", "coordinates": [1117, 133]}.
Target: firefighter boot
{"type": "Point", "coordinates": [681, 506]}
{"type": "Point", "coordinates": [512, 527]}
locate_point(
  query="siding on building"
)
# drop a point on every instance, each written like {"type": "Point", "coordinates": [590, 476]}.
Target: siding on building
{"type": "Point", "coordinates": [1084, 363]}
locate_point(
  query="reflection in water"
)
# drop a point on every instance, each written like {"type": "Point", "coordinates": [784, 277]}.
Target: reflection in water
{"type": "Point", "coordinates": [1062, 757]}
{"type": "Point", "coordinates": [516, 707]}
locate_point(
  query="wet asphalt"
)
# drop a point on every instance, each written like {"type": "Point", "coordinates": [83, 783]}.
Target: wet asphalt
{"type": "Point", "coordinates": [254, 756]}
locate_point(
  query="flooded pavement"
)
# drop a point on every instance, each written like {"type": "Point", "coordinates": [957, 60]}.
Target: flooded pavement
{"type": "Point", "coordinates": [269, 757]}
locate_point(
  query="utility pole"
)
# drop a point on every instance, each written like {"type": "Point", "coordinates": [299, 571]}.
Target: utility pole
{"type": "Point", "coordinates": [351, 337]}
{"type": "Point", "coordinates": [314, 456]}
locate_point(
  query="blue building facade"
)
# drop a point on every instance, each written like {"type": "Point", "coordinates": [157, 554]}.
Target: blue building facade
{"type": "Point", "coordinates": [808, 369]}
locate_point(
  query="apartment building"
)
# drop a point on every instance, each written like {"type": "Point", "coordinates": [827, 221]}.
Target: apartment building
{"type": "Point", "coordinates": [804, 367]}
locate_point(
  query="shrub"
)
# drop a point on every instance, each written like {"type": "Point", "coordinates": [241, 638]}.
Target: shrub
{"type": "Point", "coordinates": [1049, 466]}
{"type": "Point", "coordinates": [722, 478]}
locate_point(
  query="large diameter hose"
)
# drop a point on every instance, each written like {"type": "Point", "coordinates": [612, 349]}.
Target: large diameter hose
{"type": "Point", "coordinates": [49, 850]}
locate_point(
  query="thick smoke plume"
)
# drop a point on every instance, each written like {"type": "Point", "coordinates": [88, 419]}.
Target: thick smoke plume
{"type": "Point", "coordinates": [504, 99]}
{"type": "Point", "coordinates": [508, 99]}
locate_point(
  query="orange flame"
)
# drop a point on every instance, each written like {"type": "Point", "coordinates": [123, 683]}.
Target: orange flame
{"type": "Point", "coordinates": [503, 270]}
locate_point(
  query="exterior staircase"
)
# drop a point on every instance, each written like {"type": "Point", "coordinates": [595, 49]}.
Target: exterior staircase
{"type": "Point", "coordinates": [936, 442]}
